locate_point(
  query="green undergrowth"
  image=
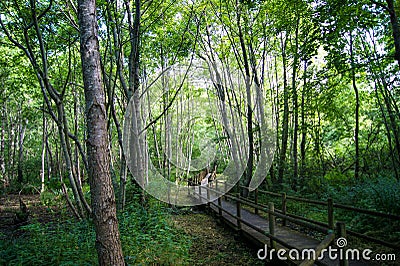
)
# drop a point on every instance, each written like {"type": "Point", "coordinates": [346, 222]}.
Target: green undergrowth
{"type": "Point", "coordinates": [147, 236]}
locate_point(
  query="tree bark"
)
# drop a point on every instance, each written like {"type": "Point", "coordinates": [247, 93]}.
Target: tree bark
{"type": "Point", "coordinates": [2, 147]}
{"type": "Point", "coordinates": [44, 140]}
{"type": "Point", "coordinates": [249, 168]}
{"type": "Point", "coordinates": [295, 108]}
{"type": "Point", "coordinates": [357, 111]}
{"type": "Point", "coordinates": [285, 120]}
{"type": "Point", "coordinates": [395, 29]}
{"type": "Point", "coordinates": [303, 125]}
{"type": "Point", "coordinates": [108, 243]}
{"type": "Point", "coordinates": [21, 150]}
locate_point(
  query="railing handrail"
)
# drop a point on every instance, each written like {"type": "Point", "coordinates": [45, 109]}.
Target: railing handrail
{"type": "Point", "coordinates": [337, 205]}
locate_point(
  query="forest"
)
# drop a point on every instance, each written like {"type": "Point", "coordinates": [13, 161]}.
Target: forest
{"type": "Point", "coordinates": [127, 125]}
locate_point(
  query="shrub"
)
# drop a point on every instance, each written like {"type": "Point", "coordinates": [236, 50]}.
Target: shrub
{"type": "Point", "coordinates": [146, 234]}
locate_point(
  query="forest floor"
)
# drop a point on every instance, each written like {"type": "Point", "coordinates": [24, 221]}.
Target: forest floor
{"type": "Point", "coordinates": [213, 243]}
{"type": "Point", "coordinates": [10, 205]}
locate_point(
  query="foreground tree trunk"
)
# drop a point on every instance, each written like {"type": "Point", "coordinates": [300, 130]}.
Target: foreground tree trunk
{"type": "Point", "coordinates": [108, 243]}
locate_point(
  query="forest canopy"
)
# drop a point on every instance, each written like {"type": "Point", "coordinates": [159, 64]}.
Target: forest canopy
{"type": "Point", "coordinates": [302, 94]}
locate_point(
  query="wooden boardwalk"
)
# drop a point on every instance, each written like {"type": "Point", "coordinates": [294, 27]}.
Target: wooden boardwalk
{"type": "Point", "coordinates": [295, 239]}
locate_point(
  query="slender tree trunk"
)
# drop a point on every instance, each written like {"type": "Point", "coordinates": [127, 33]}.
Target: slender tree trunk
{"type": "Point", "coordinates": [303, 124]}
{"type": "Point", "coordinates": [249, 168]}
{"type": "Point", "coordinates": [44, 137]}
{"type": "Point", "coordinates": [77, 166]}
{"type": "Point", "coordinates": [295, 108]}
{"type": "Point", "coordinates": [67, 157]}
{"type": "Point", "coordinates": [393, 124]}
{"type": "Point", "coordinates": [395, 29]}
{"type": "Point", "coordinates": [275, 110]}
{"type": "Point", "coordinates": [2, 147]}
{"type": "Point", "coordinates": [115, 28]}
{"type": "Point", "coordinates": [357, 111]}
{"type": "Point", "coordinates": [133, 92]}
{"type": "Point", "coordinates": [49, 157]}
{"type": "Point", "coordinates": [285, 119]}
{"type": "Point", "coordinates": [13, 150]}
{"type": "Point", "coordinates": [108, 243]}
{"type": "Point", "coordinates": [388, 133]}
{"type": "Point", "coordinates": [21, 150]}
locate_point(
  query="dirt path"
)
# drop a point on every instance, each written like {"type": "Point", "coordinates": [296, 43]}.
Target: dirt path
{"type": "Point", "coordinates": [213, 244]}
{"type": "Point", "coordinates": [9, 206]}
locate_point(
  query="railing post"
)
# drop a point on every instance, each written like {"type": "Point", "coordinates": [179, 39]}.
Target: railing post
{"type": "Point", "coordinates": [256, 200]}
{"type": "Point", "coordinates": [225, 188]}
{"type": "Point", "coordinates": [284, 222]}
{"type": "Point", "coordinates": [200, 197]}
{"type": "Point", "coordinates": [341, 243]}
{"type": "Point", "coordinates": [271, 223]}
{"type": "Point", "coordinates": [330, 213]}
{"type": "Point", "coordinates": [238, 212]}
{"type": "Point", "coordinates": [220, 207]}
{"type": "Point", "coordinates": [208, 195]}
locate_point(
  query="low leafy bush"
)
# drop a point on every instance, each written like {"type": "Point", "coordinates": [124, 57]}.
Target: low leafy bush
{"type": "Point", "coordinates": [66, 243]}
{"type": "Point", "coordinates": [146, 234]}
{"type": "Point", "coordinates": [381, 194]}
{"type": "Point", "coordinates": [148, 237]}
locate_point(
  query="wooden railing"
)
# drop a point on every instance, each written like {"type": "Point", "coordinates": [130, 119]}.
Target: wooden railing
{"type": "Point", "coordinates": [326, 228]}
{"type": "Point", "coordinates": [331, 206]}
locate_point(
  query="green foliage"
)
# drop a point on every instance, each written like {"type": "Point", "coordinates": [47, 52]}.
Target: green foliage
{"type": "Point", "coordinates": [381, 194]}
{"type": "Point", "coordinates": [66, 243]}
{"type": "Point", "coordinates": [52, 198]}
{"type": "Point", "coordinates": [147, 237]}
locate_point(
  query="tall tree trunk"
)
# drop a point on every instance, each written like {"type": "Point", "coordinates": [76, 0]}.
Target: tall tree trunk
{"type": "Point", "coordinates": [392, 119]}
{"type": "Point", "coordinates": [395, 29]}
{"type": "Point", "coordinates": [108, 243]}
{"type": "Point", "coordinates": [133, 92]}
{"type": "Point", "coordinates": [44, 140]}
{"type": "Point", "coordinates": [22, 130]}
{"type": "Point", "coordinates": [303, 124]}
{"type": "Point", "coordinates": [2, 147]}
{"type": "Point", "coordinates": [285, 119]}
{"type": "Point", "coordinates": [12, 148]}
{"type": "Point", "coordinates": [388, 132]}
{"type": "Point", "coordinates": [118, 50]}
{"type": "Point", "coordinates": [357, 111]}
{"type": "Point", "coordinates": [3, 110]}
{"type": "Point", "coordinates": [49, 157]}
{"type": "Point", "coordinates": [249, 168]}
{"type": "Point", "coordinates": [115, 28]}
{"type": "Point", "coordinates": [295, 108]}
{"type": "Point", "coordinates": [67, 157]}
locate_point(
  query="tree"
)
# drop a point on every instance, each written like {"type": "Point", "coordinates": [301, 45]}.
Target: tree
{"type": "Point", "coordinates": [108, 243]}
{"type": "Point", "coordinates": [24, 25]}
